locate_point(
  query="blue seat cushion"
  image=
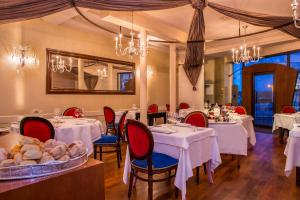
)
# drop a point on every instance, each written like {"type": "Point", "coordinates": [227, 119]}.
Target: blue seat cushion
{"type": "Point", "coordinates": [107, 139]}
{"type": "Point", "coordinates": [159, 161]}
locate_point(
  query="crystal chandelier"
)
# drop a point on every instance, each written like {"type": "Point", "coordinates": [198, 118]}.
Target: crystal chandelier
{"type": "Point", "coordinates": [23, 55]}
{"type": "Point", "coordinates": [244, 54]}
{"type": "Point", "coordinates": [59, 64]}
{"type": "Point", "coordinates": [132, 49]}
{"type": "Point", "coordinates": [102, 74]}
{"type": "Point", "coordinates": [295, 14]}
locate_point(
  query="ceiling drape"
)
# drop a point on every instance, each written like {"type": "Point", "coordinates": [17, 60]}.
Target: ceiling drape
{"type": "Point", "coordinates": [18, 10]}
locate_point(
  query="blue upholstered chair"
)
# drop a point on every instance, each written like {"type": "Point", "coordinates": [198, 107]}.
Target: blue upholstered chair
{"type": "Point", "coordinates": [111, 141]}
{"type": "Point", "coordinates": [144, 160]}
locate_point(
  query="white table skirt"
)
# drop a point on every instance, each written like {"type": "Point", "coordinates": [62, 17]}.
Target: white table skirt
{"type": "Point", "coordinates": [292, 151]}
{"type": "Point", "coordinates": [232, 138]}
{"type": "Point", "coordinates": [86, 130]}
{"type": "Point", "coordinates": [192, 149]}
{"type": "Point", "coordinates": [285, 121]}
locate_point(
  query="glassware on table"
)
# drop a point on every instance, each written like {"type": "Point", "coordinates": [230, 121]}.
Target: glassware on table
{"type": "Point", "coordinates": [77, 113]}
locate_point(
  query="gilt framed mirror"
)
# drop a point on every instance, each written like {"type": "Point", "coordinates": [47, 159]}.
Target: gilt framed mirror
{"type": "Point", "coordinates": [73, 73]}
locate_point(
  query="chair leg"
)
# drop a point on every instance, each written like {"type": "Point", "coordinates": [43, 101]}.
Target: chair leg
{"type": "Point", "coordinates": [95, 152]}
{"type": "Point", "coordinates": [100, 153]}
{"type": "Point", "coordinates": [130, 184]}
{"type": "Point", "coordinates": [198, 174]}
{"type": "Point", "coordinates": [118, 157]}
{"type": "Point", "coordinates": [120, 149]}
{"type": "Point", "coordinates": [150, 187]}
{"type": "Point", "coordinates": [238, 162]}
{"type": "Point", "coordinates": [176, 192]}
{"type": "Point", "coordinates": [204, 168]}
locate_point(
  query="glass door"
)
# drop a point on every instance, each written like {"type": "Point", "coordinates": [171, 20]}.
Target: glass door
{"type": "Point", "coordinates": [263, 99]}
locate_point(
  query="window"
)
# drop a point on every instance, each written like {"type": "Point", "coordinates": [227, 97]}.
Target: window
{"type": "Point", "coordinates": [295, 63]}
{"type": "Point", "coordinates": [280, 59]}
{"type": "Point", "coordinates": [237, 82]}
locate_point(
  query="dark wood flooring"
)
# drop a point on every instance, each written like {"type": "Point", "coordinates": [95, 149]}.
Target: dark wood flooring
{"type": "Point", "coordinates": [261, 176]}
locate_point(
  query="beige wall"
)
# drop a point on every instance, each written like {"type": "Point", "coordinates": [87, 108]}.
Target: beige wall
{"type": "Point", "coordinates": [23, 92]}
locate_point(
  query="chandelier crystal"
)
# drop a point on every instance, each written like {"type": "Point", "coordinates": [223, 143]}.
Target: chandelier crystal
{"type": "Point", "coordinates": [23, 55]}
{"type": "Point", "coordinates": [59, 64]}
{"type": "Point", "coordinates": [295, 14]}
{"type": "Point", "coordinates": [245, 54]}
{"type": "Point", "coordinates": [132, 49]}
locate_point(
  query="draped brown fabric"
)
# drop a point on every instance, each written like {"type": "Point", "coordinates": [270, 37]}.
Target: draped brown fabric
{"type": "Point", "coordinates": [285, 24]}
{"type": "Point", "coordinates": [18, 10]}
{"type": "Point", "coordinates": [195, 44]}
{"type": "Point", "coordinates": [90, 81]}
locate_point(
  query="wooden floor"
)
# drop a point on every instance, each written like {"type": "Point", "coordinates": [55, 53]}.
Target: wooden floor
{"type": "Point", "coordinates": [261, 177]}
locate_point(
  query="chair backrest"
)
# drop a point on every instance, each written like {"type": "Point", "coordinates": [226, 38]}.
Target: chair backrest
{"type": "Point", "coordinates": [184, 105]}
{"type": "Point", "coordinates": [288, 109]}
{"type": "Point", "coordinates": [72, 112]}
{"type": "Point", "coordinates": [109, 115]}
{"type": "Point", "coordinates": [37, 127]}
{"type": "Point", "coordinates": [122, 124]}
{"type": "Point", "coordinates": [140, 140]}
{"type": "Point", "coordinates": [196, 118]}
{"type": "Point", "coordinates": [153, 108]}
{"type": "Point", "coordinates": [241, 110]}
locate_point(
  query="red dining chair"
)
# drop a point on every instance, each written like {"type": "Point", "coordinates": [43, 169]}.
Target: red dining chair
{"type": "Point", "coordinates": [73, 112]}
{"type": "Point", "coordinates": [288, 109]}
{"type": "Point", "coordinates": [241, 110]}
{"type": "Point", "coordinates": [198, 119]}
{"type": "Point", "coordinates": [37, 127]}
{"type": "Point", "coordinates": [184, 105]}
{"type": "Point", "coordinates": [144, 160]}
{"type": "Point", "coordinates": [110, 116]}
{"type": "Point", "coordinates": [168, 107]}
{"type": "Point", "coordinates": [112, 141]}
{"type": "Point", "coordinates": [153, 108]}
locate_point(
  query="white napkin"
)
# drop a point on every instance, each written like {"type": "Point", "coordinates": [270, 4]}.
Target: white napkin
{"type": "Point", "coordinates": [162, 129]}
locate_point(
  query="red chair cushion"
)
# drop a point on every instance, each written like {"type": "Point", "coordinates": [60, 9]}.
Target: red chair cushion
{"type": "Point", "coordinates": [138, 140]}
{"type": "Point", "coordinates": [196, 119]}
{"type": "Point", "coordinates": [122, 123]}
{"type": "Point", "coordinates": [71, 112]}
{"type": "Point", "coordinates": [288, 109]}
{"type": "Point", "coordinates": [240, 110]}
{"type": "Point", "coordinates": [37, 129]}
{"type": "Point", "coordinates": [184, 106]}
{"type": "Point", "coordinates": [153, 108]}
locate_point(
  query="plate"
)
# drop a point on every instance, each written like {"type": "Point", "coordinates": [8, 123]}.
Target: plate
{"type": "Point", "coordinates": [183, 125]}
{"type": "Point", "coordinates": [214, 122]}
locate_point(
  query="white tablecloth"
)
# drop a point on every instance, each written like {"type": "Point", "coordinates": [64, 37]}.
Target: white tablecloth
{"type": "Point", "coordinates": [86, 130]}
{"type": "Point", "coordinates": [285, 121]}
{"type": "Point", "coordinates": [292, 150]}
{"type": "Point", "coordinates": [130, 115]}
{"type": "Point", "coordinates": [191, 148]}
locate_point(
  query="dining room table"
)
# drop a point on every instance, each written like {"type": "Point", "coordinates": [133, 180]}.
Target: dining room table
{"type": "Point", "coordinates": [192, 146]}
{"type": "Point", "coordinates": [69, 129]}
{"type": "Point", "coordinates": [285, 122]}
{"type": "Point", "coordinates": [292, 153]}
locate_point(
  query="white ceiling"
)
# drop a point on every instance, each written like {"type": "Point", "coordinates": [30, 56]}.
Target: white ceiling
{"type": "Point", "coordinates": [173, 24]}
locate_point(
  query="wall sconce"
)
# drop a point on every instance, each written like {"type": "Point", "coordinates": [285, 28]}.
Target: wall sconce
{"type": "Point", "coordinates": [149, 72]}
{"type": "Point", "coordinates": [22, 56]}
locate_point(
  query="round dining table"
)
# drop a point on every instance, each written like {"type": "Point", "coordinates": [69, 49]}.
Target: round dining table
{"type": "Point", "coordinates": [70, 129]}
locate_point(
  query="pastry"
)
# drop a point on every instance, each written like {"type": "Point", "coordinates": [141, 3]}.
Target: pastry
{"type": "Point", "coordinates": [18, 158]}
{"type": "Point", "coordinates": [58, 151]}
{"type": "Point", "coordinates": [28, 162]}
{"type": "Point", "coordinates": [8, 163]}
{"type": "Point", "coordinates": [29, 140]}
{"type": "Point", "coordinates": [32, 154]}
{"type": "Point", "coordinates": [27, 147]}
{"type": "Point", "coordinates": [15, 149]}
{"type": "Point", "coordinates": [65, 158]}
{"type": "Point", "coordinates": [46, 158]}
{"type": "Point", "coordinates": [76, 149]}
